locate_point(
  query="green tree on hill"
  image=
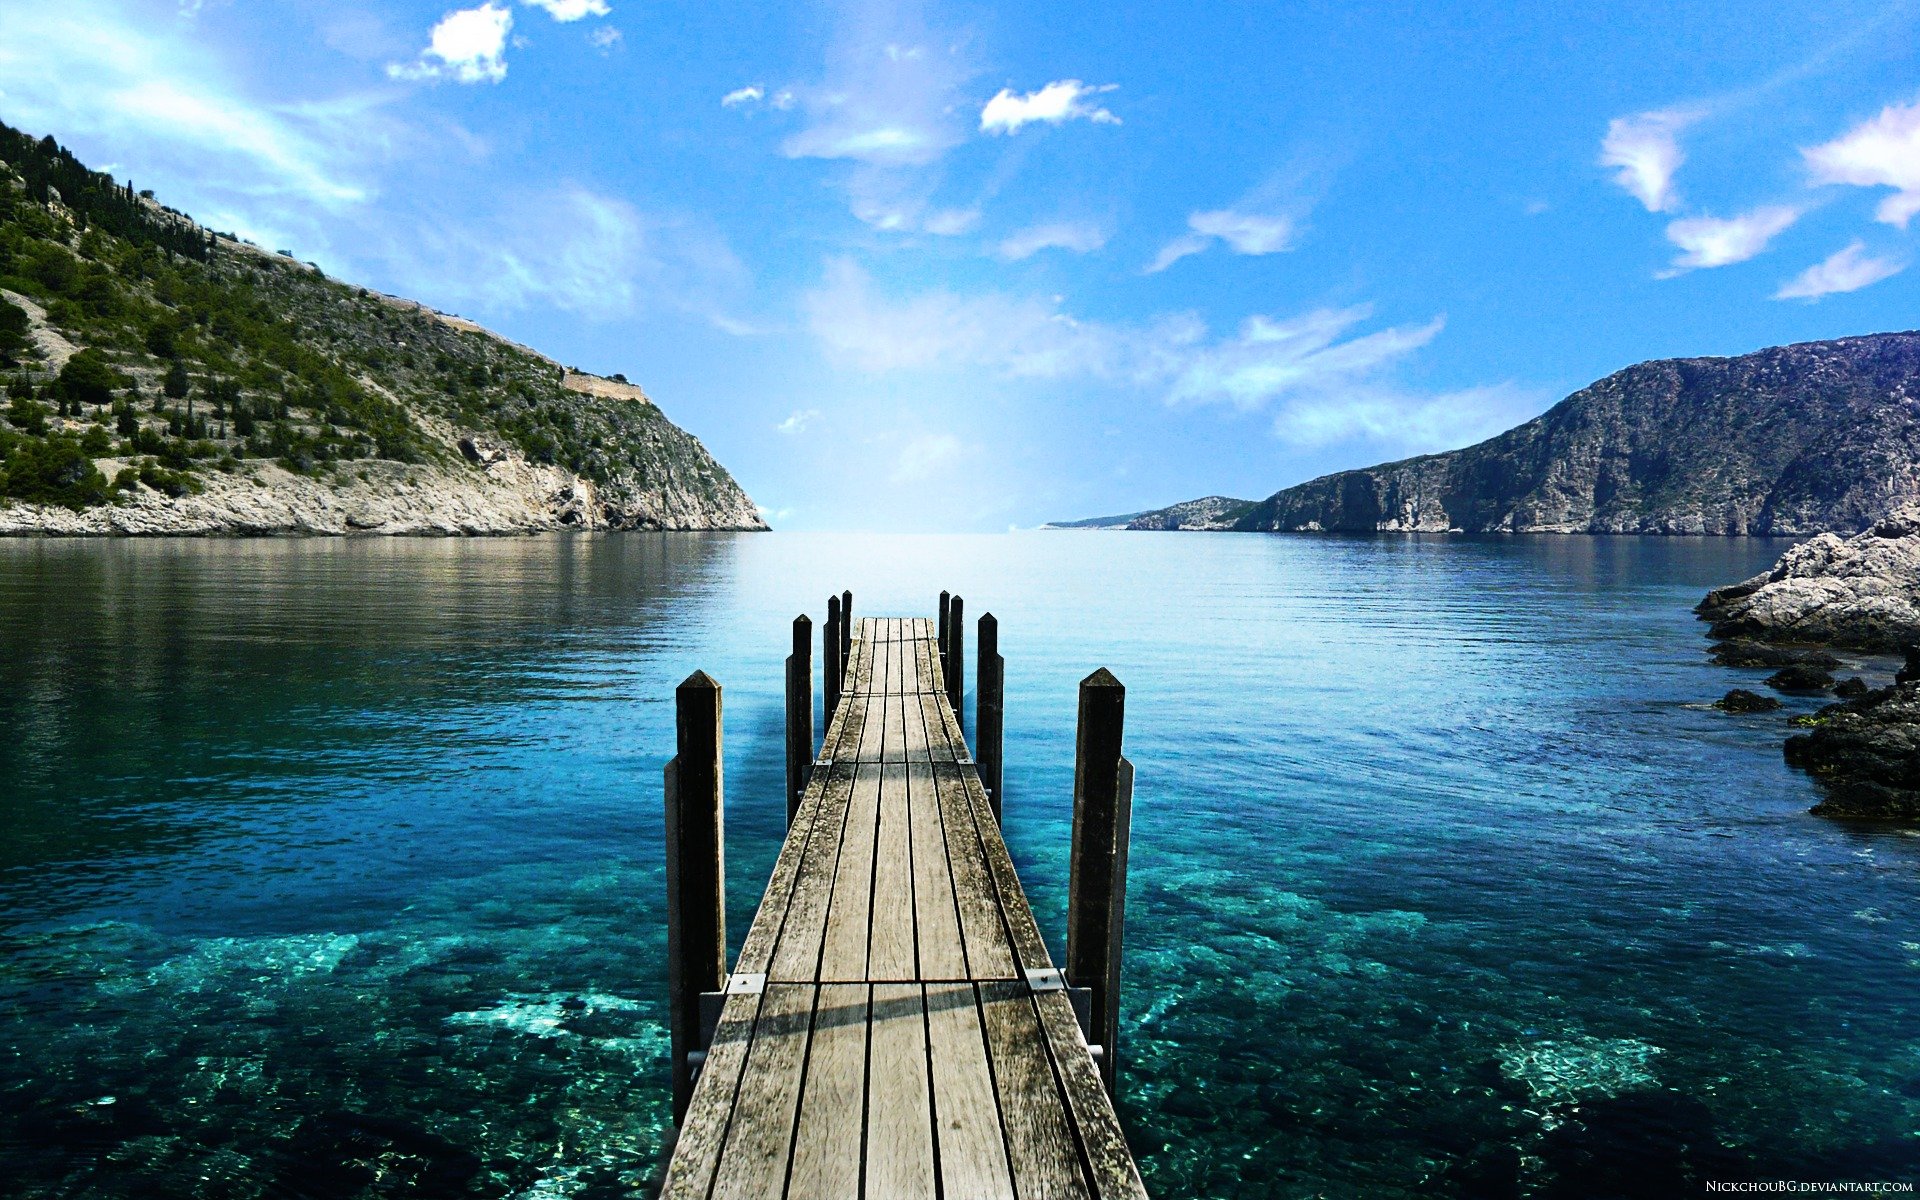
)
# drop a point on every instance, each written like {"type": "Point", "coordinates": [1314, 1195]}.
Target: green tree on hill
{"type": "Point", "coordinates": [177, 383]}
{"type": "Point", "coordinates": [87, 379]}
{"type": "Point", "coordinates": [14, 327]}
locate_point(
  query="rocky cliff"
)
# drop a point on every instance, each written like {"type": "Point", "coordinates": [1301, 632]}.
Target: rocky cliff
{"type": "Point", "coordinates": [1861, 593]}
{"type": "Point", "coordinates": [165, 379]}
{"type": "Point", "coordinates": [1787, 441]}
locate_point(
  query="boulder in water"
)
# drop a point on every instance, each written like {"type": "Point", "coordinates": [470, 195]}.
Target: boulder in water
{"type": "Point", "coordinates": [1740, 700]}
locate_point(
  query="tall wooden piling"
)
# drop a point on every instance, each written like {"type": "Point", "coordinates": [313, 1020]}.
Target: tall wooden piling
{"type": "Point", "coordinates": [990, 708]}
{"type": "Point", "coordinates": [833, 659]}
{"type": "Point", "coordinates": [696, 873]}
{"type": "Point", "coordinates": [1097, 871]}
{"type": "Point", "coordinates": [799, 713]}
{"type": "Point", "coordinates": [940, 637]}
{"type": "Point", "coordinates": [846, 629]}
{"type": "Point", "coordinates": [957, 661]}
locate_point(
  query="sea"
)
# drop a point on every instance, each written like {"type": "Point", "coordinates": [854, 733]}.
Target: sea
{"type": "Point", "coordinates": [333, 868]}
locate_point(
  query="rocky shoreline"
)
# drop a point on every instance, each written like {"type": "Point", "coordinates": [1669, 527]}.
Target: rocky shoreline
{"type": "Point", "coordinates": [1830, 593]}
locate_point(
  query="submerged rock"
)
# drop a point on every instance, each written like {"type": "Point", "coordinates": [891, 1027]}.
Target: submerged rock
{"type": "Point", "coordinates": [1740, 700]}
{"type": "Point", "coordinates": [1861, 592]}
{"type": "Point", "coordinates": [1865, 754]}
{"type": "Point", "coordinates": [1800, 678]}
{"type": "Point", "coordinates": [1746, 652]}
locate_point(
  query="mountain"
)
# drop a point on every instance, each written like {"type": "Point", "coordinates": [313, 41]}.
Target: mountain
{"type": "Point", "coordinates": [1206, 513]}
{"type": "Point", "coordinates": [1792, 440]}
{"type": "Point", "coordinates": [162, 378]}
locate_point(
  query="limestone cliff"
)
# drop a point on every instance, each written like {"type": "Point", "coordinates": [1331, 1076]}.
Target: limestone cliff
{"type": "Point", "coordinates": [162, 378]}
{"type": "Point", "coordinates": [1786, 441]}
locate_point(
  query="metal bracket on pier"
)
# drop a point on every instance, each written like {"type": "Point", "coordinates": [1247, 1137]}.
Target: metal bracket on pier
{"type": "Point", "coordinates": [1053, 979]}
{"type": "Point", "coordinates": [740, 983]}
{"type": "Point", "coordinates": [821, 764]}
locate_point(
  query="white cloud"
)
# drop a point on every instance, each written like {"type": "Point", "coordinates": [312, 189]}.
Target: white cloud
{"type": "Point", "coordinates": [923, 455]}
{"type": "Point", "coordinates": [1391, 417]}
{"type": "Point", "coordinates": [1272, 358]}
{"type": "Point", "coordinates": [889, 92]}
{"type": "Point", "coordinates": [604, 38]}
{"type": "Point", "coordinates": [1181, 247]}
{"type": "Point", "coordinates": [1244, 232]}
{"type": "Point", "coordinates": [1064, 235]}
{"type": "Point", "coordinates": [579, 252]}
{"type": "Point", "coordinates": [1845, 270]}
{"type": "Point", "coordinates": [570, 10]}
{"type": "Point", "coordinates": [159, 99]}
{"type": "Point", "coordinates": [951, 222]}
{"type": "Point", "coordinates": [1644, 150]}
{"type": "Point", "coordinates": [468, 45]}
{"type": "Point", "coordinates": [1719, 242]}
{"type": "Point", "coordinates": [1330, 383]}
{"type": "Point", "coordinates": [747, 95]}
{"type": "Point", "coordinates": [1062, 100]}
{"type": "Point", "coordinates": [1882, 152]}
{"type": "Point", "coordinates": [798, 421]}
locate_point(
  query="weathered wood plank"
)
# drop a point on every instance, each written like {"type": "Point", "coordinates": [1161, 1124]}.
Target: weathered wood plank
{"type": "Point", "coordinates": [796, 956]}
{"type": "Point", "coordinates": [843, 957]}
{"type": "Point", "coordinates": [899, 1118]}
{"type": "Point", "coordinates": [1030, 949]}
{"type": "Point", "coordinates": [760, 1138]}
{"type": "Point", "coordinates": [764, 934]}
{"type": "Point", "coordinates": [829, 1143]}
{"type": "Point", "coordinates": [696, 1153]}
{"type": "Point", "coordinates": [973, 1149]}
{"type": "Point", "coordinates": [989, 952]}
{"type": "Point", "coordinates": [891, 952]}
{"type": "Point", "coordinates": [942, 953]}
{"type": "Point", "coordinates": [1041, 1143]}
{"type": "Point", "coordinates": [1115, 1175]}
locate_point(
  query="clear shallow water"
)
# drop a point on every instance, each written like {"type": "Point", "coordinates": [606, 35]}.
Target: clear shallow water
{"type": "Point", "coordinates": [333, 868]}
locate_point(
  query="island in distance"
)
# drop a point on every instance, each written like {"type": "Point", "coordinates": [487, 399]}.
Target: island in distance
{"type": "Point", "coordinates": [1788, 441]}
{"type": "Point", "coordinates": [165, 379]}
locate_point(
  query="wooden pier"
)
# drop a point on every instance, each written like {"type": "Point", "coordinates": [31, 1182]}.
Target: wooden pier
{"type": "Point", "coordinates": [894, 1026]}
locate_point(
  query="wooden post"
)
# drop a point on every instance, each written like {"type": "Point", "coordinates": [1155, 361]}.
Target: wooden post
{"type": "Point", "coordinates": [799, 713]}
{"type": "Point", "coordinates": [696, 874]}
{"type": "Point", "coordinates": [846, 629]}
{"type": "Point", "coordinates": [832, 661]}
{"type": "Point", "coordinates": [990, 708]}
{"type": "Point", "coordinates": [957, 663]}
{"type": "Point", "coordinates": [940, 634]}
{"type": "Point", "coordinates": [1097, 871]}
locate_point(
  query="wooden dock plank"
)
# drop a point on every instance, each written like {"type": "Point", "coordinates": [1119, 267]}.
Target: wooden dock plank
{"type": "Point", "coordinates": [1041, 1145]}
{"type": "Point", "coordinates": [942, 951]}
{"type": "Point", "coordinates": [989, 952]}
{"type": "Point", "coordinates": [753, 1164]}
{"type": "Point", "coordinates": [891, 951]}
{"type": "Point", "coordinates": [844, 953]}
{"type": "Point", "coordinates": [899, 1117]}
{"type": "Point", "coordinates": [830, 1142]}
{"type": "Point", "coordinates": [696, 1153]}
{"type": "Point", "coordinates": [973, 1148]}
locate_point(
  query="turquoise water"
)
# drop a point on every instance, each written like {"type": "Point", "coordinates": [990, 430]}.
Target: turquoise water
{"type": "Point", "coordinates": [333, 868]}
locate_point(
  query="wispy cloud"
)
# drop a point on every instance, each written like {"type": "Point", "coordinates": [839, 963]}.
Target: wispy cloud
{"type": "Point", "coordinates": [604, 38]}
{"type": "Point", "coordinates": [888, 94]}
{"type": "Point", "coordinates": [923, 455]}
{"type": "Point", "coordinates": [1243, 232]}
{"type": "Point", "coordinates": [1062, 100]}
{"type": "Point", "coordinates": [1881, 152]}
{"type": "Point", "coordinates": [581, 252]}
{"type": "Point", "coordinates": [570, 10]}
{"type": "Point", "coordinates": [1644, 150]}
{"type": "Point", "coordinates": [1062, 235]}
{"type": "Point", "coordinates": [469, 45]}
{"type": "Point", "coordinates": [798, 421]}
{"type": "Point", "coordinates": [1845, 270]}
{"type": "Point", "coordinates": [1721, 241]}
{"type": "Point", "coordinates": [1311, 352]}
{"type": "Point", "coordinates": [750, 94]}
{"type": "Point", "coordinates": [160, 98]}
{"type": "Point", "coordinates": [1328, 380]}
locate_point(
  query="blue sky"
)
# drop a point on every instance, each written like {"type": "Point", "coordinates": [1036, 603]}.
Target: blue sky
{"type": "Point", "coordinates": [972, 267]}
